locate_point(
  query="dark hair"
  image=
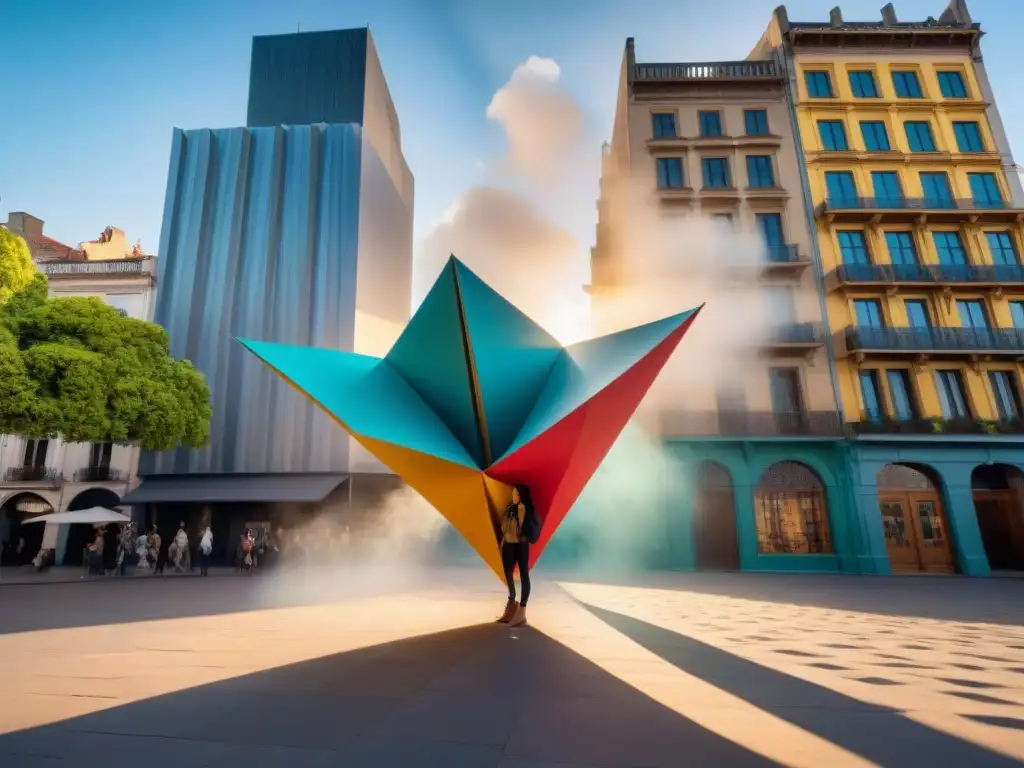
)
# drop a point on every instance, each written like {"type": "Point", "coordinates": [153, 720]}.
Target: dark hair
{"type": "Point", "coordinates": [524, 496]}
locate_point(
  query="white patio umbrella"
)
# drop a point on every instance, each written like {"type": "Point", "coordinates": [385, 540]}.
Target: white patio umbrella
{"type": "Point", "coordinates": [92, 515]}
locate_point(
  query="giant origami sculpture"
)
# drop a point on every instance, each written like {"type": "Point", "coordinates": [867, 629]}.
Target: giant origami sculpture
{"type": "Point", "coordinates": [475, 397]}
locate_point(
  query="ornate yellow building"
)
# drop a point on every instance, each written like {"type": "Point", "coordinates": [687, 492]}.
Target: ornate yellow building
{"type": "Point", "coordinates": [917, 211]}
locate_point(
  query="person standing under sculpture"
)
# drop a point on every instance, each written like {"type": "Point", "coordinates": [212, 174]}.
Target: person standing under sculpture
{"type": "Point", "coordinates": [515, 551]}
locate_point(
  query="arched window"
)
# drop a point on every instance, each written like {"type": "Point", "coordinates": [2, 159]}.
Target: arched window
{"type": "Point", "coordinates": [791, 511]}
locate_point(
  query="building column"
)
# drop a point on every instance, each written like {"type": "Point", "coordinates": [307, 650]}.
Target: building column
{"type": "Point", "coordinates": [968, 547]}
{"type": "Point", "coordinates": [872, 555]}
{"type": "Point", "coordinates": [746, 525]}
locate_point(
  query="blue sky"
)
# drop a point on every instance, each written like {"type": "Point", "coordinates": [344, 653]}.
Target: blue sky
{"type": "Point", "coordinates": [91, 89]}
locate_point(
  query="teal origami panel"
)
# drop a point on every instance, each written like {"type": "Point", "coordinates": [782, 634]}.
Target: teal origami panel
{"type": "Point", "coordinates": [431, 355]}
{"type": "Point", "coordinates": [582, 370]}
{"type": "Point", "coordinates": [512, 358]}
{"type": "Point", "coordinates": [366, 394]}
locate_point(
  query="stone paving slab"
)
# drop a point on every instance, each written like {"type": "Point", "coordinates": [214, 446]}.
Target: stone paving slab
{"type": "Point", "coordinates": [662, 671]}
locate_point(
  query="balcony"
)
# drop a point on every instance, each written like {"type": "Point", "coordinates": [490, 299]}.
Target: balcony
{"type": "Point", "coordinates": [704, 71]}
{"type": "Point", "coordinates": [32, 476]}
{"type": "Point", "coordinates": [802, 338]}
{"type": "Point", "coordinates": [943, 341]}
{"type": "Point", "coordinates": [911, 208]}
{"type": "Point", "coordinates": [784, 258]}
{"type": "Point", "coordinates": [117, 268]}
{"type": "Point", "coordinates": [925, 275]}
{"type": "Point", "coordinates": [98, 475]}
{"type": "Point", "coordinates": [750, 424]}
{"type": "Point", "coordinates": [875, 424]}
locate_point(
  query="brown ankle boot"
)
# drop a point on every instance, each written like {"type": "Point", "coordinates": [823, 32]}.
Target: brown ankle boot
{"type": "Point", "coordinates": [510, 611]}
{"type": "Point", "coordinates": [519, 618]}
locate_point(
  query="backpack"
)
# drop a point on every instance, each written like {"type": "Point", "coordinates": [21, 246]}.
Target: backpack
{"type": "Point", "coordinates": [531, 525]}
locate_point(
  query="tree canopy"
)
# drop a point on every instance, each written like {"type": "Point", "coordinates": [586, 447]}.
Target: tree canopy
{"type": "Point", "coordinates": [78, 369]}
{"type": "Point", "coordinates": [16, 269]}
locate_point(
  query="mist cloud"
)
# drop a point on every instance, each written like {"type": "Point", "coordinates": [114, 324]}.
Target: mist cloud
{"type": "Point", "coordinates": [517, 250]}
{"type": "Point", "coordinates": [542, 122]}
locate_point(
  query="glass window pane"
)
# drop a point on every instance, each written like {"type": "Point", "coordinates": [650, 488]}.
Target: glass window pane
{"type": "Point", "coordinates": [670, 173]}
{"type": "Point", "coordinates": [841, 188]}
{"type": "Point", "coordinates": [901, 247]}
{"type": "Point", "coordinates": [1005, 394]}
{"type": "Point", "coordinates": [1017, 314]}
{"type": "Point", "coordinates": [756, 122]}
{"type": "Point", "coordinates": [906, 84]}
{"type": "Point", "coordinates": [819, 85]}
{"type": "Point", "coordinates": [903, 406]}
{"type": "Point", "coordinates": [863, 85]}
{"type": "Point", "coordinates": [952, 85]}
{"type": "Point", "coordinates": [876, 139]}
{"type": "Point", "coordinates": [972, 314]}
{"type": "Point", "coordinates": [936, 189]}
{"type": "Point", "coordinates": [868, 313]}
{"type": "Point", "coordinates": [968, 137]}
{"type": "Point", "coordinates": [869, 395]}
{"type": "Point", "coordinates": [833, 135]}
{"type": "Point", "coordinates": [917, 314]}
{"type": "Point", "coordinates": [853, 248]}
{"type": "Point", "coordinates": [919, 136]}
{"type": "Point", "coordinates": [949, 247]}
{"type": "Point", "coordinates": [664, 125]}
{"type": "Point", "coordinates": [1002, 248]}
{"type": "Point", "coordinates": [888, 191]}
{"type": "Point", "coordinates": [985, 190]}
{"type": "Point", "coordinates": [710, 123]}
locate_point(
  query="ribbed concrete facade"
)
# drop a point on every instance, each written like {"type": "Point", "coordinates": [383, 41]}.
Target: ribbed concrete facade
{"type": "Point", "coordinates": [261, 238]}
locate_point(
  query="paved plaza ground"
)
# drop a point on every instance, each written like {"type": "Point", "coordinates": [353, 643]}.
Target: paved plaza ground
{"type": "Point", "coordinates": [355, 669]}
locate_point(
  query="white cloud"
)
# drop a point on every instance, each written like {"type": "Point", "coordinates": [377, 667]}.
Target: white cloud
{"type": "Point", "coordinates": [542, 122]}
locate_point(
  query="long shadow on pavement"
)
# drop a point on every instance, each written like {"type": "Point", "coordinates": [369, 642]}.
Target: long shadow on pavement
{"type": "Point", "coordinates": [118, 601]}
{"type": "Point", "coordinates": [883, 736]}
{"type": "Point", "coordinates": [939, 597]}
{"type": "Point", "coordinates": [478, 697]}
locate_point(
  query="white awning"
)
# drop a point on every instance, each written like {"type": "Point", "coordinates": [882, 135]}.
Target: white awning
{"type": "Point", "coordinates": [92, 515]}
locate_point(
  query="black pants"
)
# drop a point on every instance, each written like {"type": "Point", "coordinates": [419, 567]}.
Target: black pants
{"type": "Point", "coordinates": [204, 564]}
{"type": "Point", "coordinates": [511, 556]}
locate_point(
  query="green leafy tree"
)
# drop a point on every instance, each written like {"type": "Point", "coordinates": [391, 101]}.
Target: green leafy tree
{"type": "Point", "coordinates": [78, 369]}
{"type": "Point", "coordinates": [16, 269]}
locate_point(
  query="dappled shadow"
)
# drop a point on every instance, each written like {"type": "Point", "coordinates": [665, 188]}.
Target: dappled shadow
{"type": "Point", "coordinates": [468, 698]}
{"type": "Point", "coordinates": [881, 735]}
{"type": "Point", "coordinates": [944, 598]}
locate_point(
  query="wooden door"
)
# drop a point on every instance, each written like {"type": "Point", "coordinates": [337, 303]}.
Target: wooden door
{"type": "Point", "coordinates": [930, 527]}
{"type": "Point", "coordinates": [900, 532]}
{"type": "Point", "coordinates": [715, 530]}
{"type": "Point", "coordinates": [995, 511]}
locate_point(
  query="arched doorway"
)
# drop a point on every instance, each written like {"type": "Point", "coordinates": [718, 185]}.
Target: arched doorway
{"type": "Point", "coordinates": [791, 511]}
{"type": "Point", "coordinates": [913, 520]}
{"type": "Point", "coordinates": [21, 542]}
{"type": "Point", "coordinates": [80, 535]}
{"type": "Point", "coordinates": [998, 490]}
{"type": "Point", "coordinates": [714, 519]}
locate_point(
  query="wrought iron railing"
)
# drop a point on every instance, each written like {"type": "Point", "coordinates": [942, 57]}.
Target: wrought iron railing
{"type": "Point", "coordinates": [32, 474]}
{"type": "Point", "coordinates": [855, 203]}
{"type": "Point", "coordinates": [117, 267]}
{"type": "Point", "coordinates": [935, 339]}
{"type": "Point", "coordinates": [750, 423]}
{"type": "Point", "coordinates": [712, 70]}
{"type": "Point", "coordinates": [930, 273]}
{"type": "Point", "coordinates": [874, 423]}
{"type": "Point", "coordinates": [799, 333]}
{"type": "Point", "coordinates": [98, 475]}
{"type": "Point", "coordinates": [783, 254]}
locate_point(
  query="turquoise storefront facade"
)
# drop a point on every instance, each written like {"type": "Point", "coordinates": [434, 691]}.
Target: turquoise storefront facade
{"type": "Point", "coordinates": [848, 469]}
{"type": "Point", "coordinates": [746, 461]}
{"type": "Point", "coordinates": [952, 461]}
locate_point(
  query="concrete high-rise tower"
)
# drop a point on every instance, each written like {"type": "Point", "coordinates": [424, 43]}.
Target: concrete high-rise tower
{"type": "Point", "coordinates": [296, 228]}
